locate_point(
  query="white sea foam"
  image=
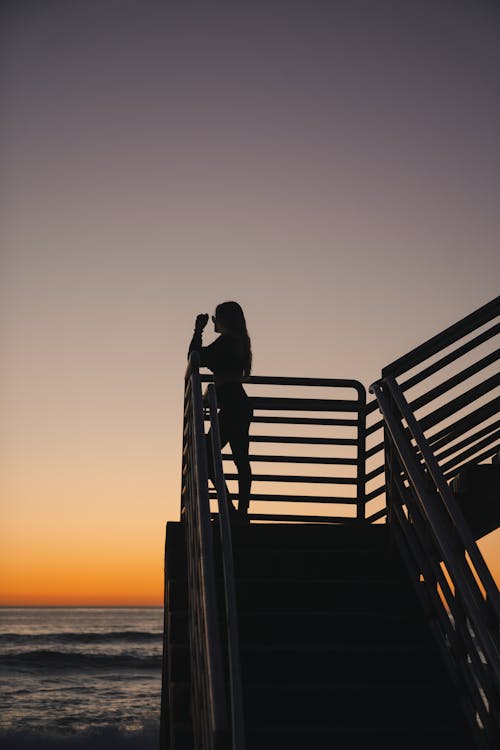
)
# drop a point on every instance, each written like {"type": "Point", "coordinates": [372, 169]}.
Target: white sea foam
{"type": "Point", "coordinates": [86, 678]}
{"type": "Point", "coordinates": [105, 738]}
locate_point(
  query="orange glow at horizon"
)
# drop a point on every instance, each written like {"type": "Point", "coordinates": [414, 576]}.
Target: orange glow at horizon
{"type": "Point", "coordinates": [77, 577]}
{"type": "Point", "coordinates": [103, 548]}
{"type": "Point", "coordinates": [121, 575]}
{"type": "Point", "coordinates": [82, 577]}
{"type": "Point", "coordinates": [106, 546]}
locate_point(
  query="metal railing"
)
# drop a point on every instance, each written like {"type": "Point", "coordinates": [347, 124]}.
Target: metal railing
{"type": "Point", "coordinates": [335, 459]}
{"type": "Point", "coordinates": [326, 415]}
{"type": "Point", "coordinates": [208, 697]}
{"type": "Point", "coordinates": [375, 485]}
{"type": "Point", "coordinates": [448, 421]}
{"type": "Point", "coordinates": [231, 613]}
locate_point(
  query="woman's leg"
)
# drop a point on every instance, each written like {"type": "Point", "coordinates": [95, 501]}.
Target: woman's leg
{"type": "Point", "coordinates": [239, 441]}
{"type": "Point", "coordinates": [210, 459]}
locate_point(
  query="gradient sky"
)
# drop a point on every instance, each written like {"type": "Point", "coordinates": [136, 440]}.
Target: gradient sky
{"type": "Point", "coordinates": [332, 165]}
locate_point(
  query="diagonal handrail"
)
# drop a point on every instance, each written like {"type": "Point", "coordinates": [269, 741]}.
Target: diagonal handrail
{"type": "Point", "coordinates": [232, 631]}
{"type": "Point", "coordinates": [434, 534]}
{"type": "Point", "coordinates": [449, 336]}
{"type": "Point", "coordinates": [448, 424]}
{"type": "Point", "coordinates": [448, 499]}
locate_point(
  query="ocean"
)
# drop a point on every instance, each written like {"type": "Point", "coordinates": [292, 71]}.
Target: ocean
{"type": "Point", "coordinates": [80, 678]}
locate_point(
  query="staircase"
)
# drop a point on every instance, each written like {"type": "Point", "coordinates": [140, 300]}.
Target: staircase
{"type": "Point", "coordinates": [335, 648]}
{"type": "Point", "coordinates": [355, 608]}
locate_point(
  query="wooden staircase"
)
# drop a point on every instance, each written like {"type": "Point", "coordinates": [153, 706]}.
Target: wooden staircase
{"type": "Point", "coordinates": [335, 648]}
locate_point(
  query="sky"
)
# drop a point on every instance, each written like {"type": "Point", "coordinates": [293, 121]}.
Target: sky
{"type": "Point", "coordinates": [331, 165]}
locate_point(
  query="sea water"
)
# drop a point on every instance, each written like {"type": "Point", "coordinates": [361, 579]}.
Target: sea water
{"type": "Point", "coordinates": [80, 678]}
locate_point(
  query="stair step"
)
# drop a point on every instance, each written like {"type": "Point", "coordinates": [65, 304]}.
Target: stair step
{"type": "Point", "coordinates": [324, 628]}
{"type": "Point", "coordinates": [342, 663]}
{"type": "Point", "coordinates": [306, 595]}
{"type": "Point", "coordinates": [328, 595]}
{"type": "Point", "coordinates": [298, 738]}
{"type": "Point", "coordinates": [357, 705]}
{"type": "Point", "coordinates": [311, 535]}
{"type": "Point", "coordinates": [288, 628]}
{"type": "Point", "coordinates": [181, 736]}
{"type": "Point", "coordinates": [316, 562]}
{"type": "Point", "coordinates": [335, 648]}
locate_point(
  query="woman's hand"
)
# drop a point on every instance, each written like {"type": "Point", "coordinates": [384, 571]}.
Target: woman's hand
{"type": "Point", "coordinates": [201, 321]}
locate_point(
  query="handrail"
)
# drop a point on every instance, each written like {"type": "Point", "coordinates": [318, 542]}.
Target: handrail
{"type": "Point", "coordinates": [444, 560]}
{"type": "Point", "coordinates": [433, 536]}
{"type": "Point", "coordinates": [444, 339]}
{"type": "Point", "coordinates": [335, 421]}
{"type": "Point", "coordinates": [449, 501]}
{"type": "Point", "coordinates": [375, 480]}
{"type": "Point", "coordinates": [232, 633]}
{"type": "Point", "coordinates": [449, 423]}
{"type": "Point", "coordinates": [400, 465]}
{"type": "Point", "coordinates": [207, 691]}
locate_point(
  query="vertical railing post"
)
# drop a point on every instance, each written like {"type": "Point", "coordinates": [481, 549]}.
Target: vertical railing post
{"type": "Point", "coordinates": [361, 457]}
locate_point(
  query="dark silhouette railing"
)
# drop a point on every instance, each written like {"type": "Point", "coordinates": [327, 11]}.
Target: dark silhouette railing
{"type": "Point", "coordinates": [329, 486]}
{"type": "Point", "coordinates": [449, 421]}
{"type": "Point", "coordinates": [375, 489]}
{"type": "Point", "coordinates": [208, 696]}
{"type": "Point", "coordinates": [234, 680]}
{"type": "Point", "coordinates": [336, 459]}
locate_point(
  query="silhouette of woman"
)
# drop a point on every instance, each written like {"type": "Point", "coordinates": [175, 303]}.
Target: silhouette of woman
{"type": "Point", "coordinates": [230, 358]}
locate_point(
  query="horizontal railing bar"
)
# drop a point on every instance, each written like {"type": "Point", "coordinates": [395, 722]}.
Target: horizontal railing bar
{"type": "Point", "coordinates": [456, 354]}
{"type": "Point", "coordinates": [374, 450]}
{"type": "Point", "coordinates": [302, 440]}
{"type": "Point", "coordinates": [375, 493]}
{"type": "Point", "coordinates": [264, 497]}
{"type": "Point", "coordinates": [462, 425]}
{"type": "Point", "coordinates": [436, 512]}
{"type": "Point", "coordinates": [303, 404]}
{"type": "Point", "coordinates": [456, 460]}
{"type": "Point", "coordinates": [375, 473]}
{"type": "Point", "coordinates": [376, 516]}
{"type": "Point", "coordinates": [459, 402]}
{"type": "Point", "coordinates": [306, 421]}
{"type": "Point", "coordinates": [447, 337]}
{"type": "Point", "coordinates": [371, 406]}
{"type": "Point", "coordinates": [450, 383]}
{"type": "Point", "coordinates": [374, 427]}
{"type": "Point", "coordinates": [314, 382]}
{"type": "Point", "coordinates": [491, 430]}
{"type": "Point", "coordinates": [296, 459]}
{"type": "Point", "coordinates": [299, 479]}
{"type": "Point", "coordinates": [488, 453]}
{"type": "Point", "coordinates": [302, 519]}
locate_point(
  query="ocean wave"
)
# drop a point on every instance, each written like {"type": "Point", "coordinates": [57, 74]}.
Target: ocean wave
{"type": "Point", "coordinates": [81, 637]}
{"type": "Point", "coordinates": [105, 738]}
{"type": "Point", "coordinates": [46, 659]}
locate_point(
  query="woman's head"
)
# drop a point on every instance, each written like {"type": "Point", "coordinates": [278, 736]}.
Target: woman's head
{"type": "Point", "coordinates": [230, 320]}
{"type": "Point", "coordinates": [230, 316]}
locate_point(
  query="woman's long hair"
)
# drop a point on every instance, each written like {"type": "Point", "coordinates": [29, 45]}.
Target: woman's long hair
{"type": "Point", "coordinates": [232, 318]}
